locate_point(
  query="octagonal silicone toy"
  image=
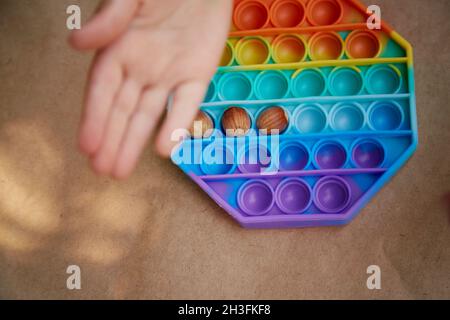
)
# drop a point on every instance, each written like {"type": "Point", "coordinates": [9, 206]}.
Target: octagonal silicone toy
{"type": "Point", "coordinates": [348, 93]}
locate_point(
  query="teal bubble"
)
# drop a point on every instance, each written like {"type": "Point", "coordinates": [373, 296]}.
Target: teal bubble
{"type": "Point", "coordinates": [347, 117]}
{"type": "Point", "coordinates": [235, 86]}
{"type": "Point", "coordinates": [345, 82]}
{"type": "Point", "coordinates": [271, 85]}
{"type": "Point", "coordinates": [308, 83]}
{"type": "Point", "coordinates": [211, 93]}
{"type": "Point", "coordinates": [310, 119]}
{"type": "Point", "coordinates": [383, 80]}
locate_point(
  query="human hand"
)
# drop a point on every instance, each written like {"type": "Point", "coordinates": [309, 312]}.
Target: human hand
{"type": "Point", "coordinates": [146, 50]}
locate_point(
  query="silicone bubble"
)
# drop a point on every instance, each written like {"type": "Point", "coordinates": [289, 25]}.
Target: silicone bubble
{"type": "Point", "coordinates": [310, 119]}
{"type": "Point", "coordinates": [347, 116]}
{"type": "Point", "coordinates": [287, 13]}
{"type": "Point", "coordinates": [345, 81]}
{"type": "Point", "coordinates": [254, 159]}
{"type": "Point", "coordinates": [256, 197]}
{"type": "Point", "coordinates": [271, 85]}
{"type": "Point", "coordinates": [331, 194]}
{"type": "Point", "coordinates": [211, 93]}
{"type": "Point", "coordinates": [308, 83]}
{"type": "Point", "coordinates": [324, 12]}
{"type": "Point", "coordinates": [329, 155]}
{"type": "Point", "coordinates": [251, 15]}
{"type": "Point", "coordinates": [234, 86]}
{"type": "Point", "coordinates": [326, 46]}
{"type": "Point", "coordinates": [217, 159]}
{"type": "Point", "coordinates": [294, 156]}
{"type": "Point", "coordinates": [227, 55]}
{"type": "Point", "coordinates": [288, 49]}
{"type": "Point", "coordinates": [362, 44]}
{"type": "Point", "coordinates": [385, 116]}
{"type": "Point", "coordinates": [293, 196]}
{"type": "Point", "coordinates": [383, 79]}
{"type": "Point", "coordinates": [252, 51]}
{"type": "Point", "coordinates": [368, 153]}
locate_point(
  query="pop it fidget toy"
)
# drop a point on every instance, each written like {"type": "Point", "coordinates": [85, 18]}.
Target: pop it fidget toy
{"type": "Point", "coordinates": [342, 94]}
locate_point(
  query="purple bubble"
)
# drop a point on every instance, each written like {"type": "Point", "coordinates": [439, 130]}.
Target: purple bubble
{"type": "Point", "coordinates": [255, 197]}
{"type": "Point", "coordinates": [255, 160]}
{"type": "Point", "coordinates": [293, 196]}
{"type": "Point", "coordinates": [332, 194]}
{"type": "Point", "coordinates": [368, 154]}
{"type": "Point", "coordinates": [330, 155]}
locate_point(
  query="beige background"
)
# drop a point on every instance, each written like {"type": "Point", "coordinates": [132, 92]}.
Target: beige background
{"type": "Point", "coordinates": [158, 235]}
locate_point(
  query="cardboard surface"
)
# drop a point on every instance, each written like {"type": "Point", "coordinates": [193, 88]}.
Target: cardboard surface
{"type": "Point", "coordinates": [158, 235]}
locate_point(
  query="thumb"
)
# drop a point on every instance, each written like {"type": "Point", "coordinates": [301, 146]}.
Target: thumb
{"type": "Point", "coordinates": [105, 26]}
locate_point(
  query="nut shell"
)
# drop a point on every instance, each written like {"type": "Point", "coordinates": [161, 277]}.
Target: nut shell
{"type": "Point", "coordinates": [236, 122]}
{"type": "Point", "coordinates": [274, 118]}
{"type": "Point", "coordinates": [202, 127]}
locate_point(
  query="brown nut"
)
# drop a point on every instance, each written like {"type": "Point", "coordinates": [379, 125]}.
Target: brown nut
{"type": "Point", "coordinates": [236, 122]}
{"type": "Point", "coordinates": [274, 118]}
{"type": "Point", "coordinates": [202, 127]}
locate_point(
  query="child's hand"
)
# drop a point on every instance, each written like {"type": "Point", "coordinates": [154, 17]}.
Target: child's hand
{"type": "Point", "coordinates": [148, 49]}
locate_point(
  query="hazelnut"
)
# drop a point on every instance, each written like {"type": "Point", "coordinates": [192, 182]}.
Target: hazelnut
{"type": "Point", "coordinates": [202, 127]}
{"type": "Point", "coordinates": [274, 118]}
{"type": "Point", "coordinates": [236, 122]}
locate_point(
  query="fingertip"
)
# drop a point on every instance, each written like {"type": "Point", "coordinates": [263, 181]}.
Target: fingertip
{"type": "Point", "coordinates": [187, 98]}
{"type": "Point", "coordinates": [87, 143]}
{"type": "Point", "coordinates": [102, 162]}
{"type": "Point", "coordinates": [168, 141]}
{"type": "Point", "coordinates": [122, 173]}
{"type": "Point", "coordinates": [100, 167]}
{"type": "Point", "coordinates": [75, 39]}
{"type": "Point", "coordinates": [82, 41]}
{"type": "Point", "coordinates": [163, 149]}
{"type": "Point", "coordinates": [123, 168]}
{"type": "Point", "coordinates": [84, 148]}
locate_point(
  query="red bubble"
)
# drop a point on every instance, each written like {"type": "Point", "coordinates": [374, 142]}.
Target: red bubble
{"type": "Point", "coordinates": [362, 44]}
{"type": "Point", "coordinates": [287, 13]}
{"type": "Point", "coordinates": [324, 12]}
{"type": "Point", "coordinates": [251, 15]}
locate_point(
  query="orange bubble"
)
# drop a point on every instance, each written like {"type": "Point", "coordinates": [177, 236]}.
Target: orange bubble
{"type": "Point", "coordinates": [287, 13]}
{"type": "Point", "coordinates": [324, 12]}
{"type": "Point", "coordinates": [289, 49]}
{"type": "Point", "coordinates": [362, 44]}
{"type": "Point", "coordinates": [251, 15]}
{"type": "Point", "coordinates": [325, 46]}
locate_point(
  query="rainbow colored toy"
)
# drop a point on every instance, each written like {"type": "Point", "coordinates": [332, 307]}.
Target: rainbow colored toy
{"type": "Point", "coordinates": [348, 95]}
